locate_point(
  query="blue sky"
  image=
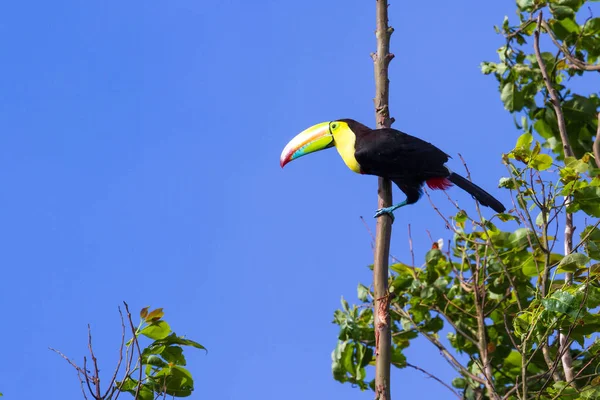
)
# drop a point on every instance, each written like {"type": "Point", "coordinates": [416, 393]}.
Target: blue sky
{"type": "Point", "coordinates": [139, 161]}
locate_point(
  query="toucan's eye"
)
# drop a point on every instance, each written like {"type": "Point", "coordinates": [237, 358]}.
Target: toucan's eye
{"type": "Point", "coordinates": [334, 125]}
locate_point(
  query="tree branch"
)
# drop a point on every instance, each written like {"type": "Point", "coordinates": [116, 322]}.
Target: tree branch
{"type": "Point", "coordinates": [567, 361]}
{"type": "Point", "coordinates": [435, 378]}
{"type": "Point", "coordinates": [383, 344]}
{"type": "Point", "coordinates": [96, 378]}
{"type": "Point", "coordinates": [562, 128]}
{"type": "Point", "coordinates": [461, 369]}
{"type": "Point", "coordinates": [597, 144]}
{"type": "Point", "coordinates": [576, 63]}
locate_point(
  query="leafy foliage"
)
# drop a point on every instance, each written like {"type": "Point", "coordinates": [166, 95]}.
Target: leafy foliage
{"type": "Point", "coordinates": [503, 293]}
{"type": "Point", "coordinates": [156, 371]}
{"type": "Point", "coordinates": [520, 79]}
{"type": "Point", "coordinates": [162, 361]}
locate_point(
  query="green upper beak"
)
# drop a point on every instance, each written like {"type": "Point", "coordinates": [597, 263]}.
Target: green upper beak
{"type": "Point", "coordinates": [315, 138]}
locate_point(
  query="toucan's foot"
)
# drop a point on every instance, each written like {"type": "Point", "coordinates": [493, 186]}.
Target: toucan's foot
{"type": "Point", "coordinates": [383, 211]}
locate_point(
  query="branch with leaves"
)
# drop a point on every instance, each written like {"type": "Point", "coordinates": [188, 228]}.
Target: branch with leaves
{"type": "Point", "coordinates": [154, 372]}
{"type": "Point", "coordinates": [521, 310]}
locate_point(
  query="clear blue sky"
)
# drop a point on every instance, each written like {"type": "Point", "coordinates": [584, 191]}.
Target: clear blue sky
{"type": "Point", "coordinates": [139, 161]}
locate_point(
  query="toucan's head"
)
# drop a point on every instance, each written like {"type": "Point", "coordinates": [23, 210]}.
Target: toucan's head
{"type": "Point", "coordinates": [317, 137]}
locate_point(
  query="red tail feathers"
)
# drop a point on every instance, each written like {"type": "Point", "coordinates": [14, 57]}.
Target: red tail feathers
{"type": "Point", "coordinates": [439, 183]}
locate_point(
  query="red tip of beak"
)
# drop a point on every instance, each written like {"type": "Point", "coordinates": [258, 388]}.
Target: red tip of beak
{"type": "Point", "coordinates": [285, 157]}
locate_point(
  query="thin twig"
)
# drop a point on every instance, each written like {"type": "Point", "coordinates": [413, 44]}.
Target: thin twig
{"type": "Point", "coordinates": [443, 350]}
{"type": "Point", "coordinates": [392, 257]}
{"type": "Point", "coordinates": [369, 231]}
{"type": "Point", "coordinates": [79, 370]}
{"type": "Point", "coordinates": [576, 63]}
{"type": "Point", "coordinates": [435, 378]}
{"type": "Point", "coordinates": [137, 345]}
{"type": "Point", "coordinates": [410, 247]}
{"type": "Point", "coordinates": [114, 377]}
{"type": "Point", "coordinates": [95, 361]}
{"type": "Point", "coordinates": [88, 379]}
{"type": "Point", "coordinates": [597, 144]}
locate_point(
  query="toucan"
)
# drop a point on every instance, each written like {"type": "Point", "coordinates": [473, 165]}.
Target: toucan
{"type": "Point", "coordinates": [406, 160]}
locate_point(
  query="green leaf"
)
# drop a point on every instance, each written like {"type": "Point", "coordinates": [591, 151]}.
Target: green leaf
{"type": "Point", "coordinates": [156, 330]}
{"type": "Point", "coordinates": [592, 243]}
{"type": "Point", "coordinates": [518, 238]}
{"type": "Point", "coordinates": [347, 356]}
{"type": "Point", "coordinates": [398, 358]}
{"type": "Point", "coordinates": [174, 355]}
{"type": "Point", "coordinates": [562, 12]}
{"type": "Point", "coordinates": [511, 97]}
{"type": "Point", "coordinates": [544, 128]}
{"type": "Point", "coordinates": [177, 380]}
{"type": "Point", "coordinates": [524, 141]}
{"type": "Point", "coordinates": [362, 292]}
{"type": "Point", "coordinates": [435, 324]}
{"type": "Point", "coordinates": [562, 302]}
{"type": "Point", "coordinates": [592, 27]}
{"type": "Point", "coordinates": [433, 256]}
{"type": "Point", "coordinates": [525, 5]}
{"type": "Point", "coordinates": [573, 4]}
{"type": "Point", "coordinates": [173, 339]}
{"type": "Point", "coordinates": [572, 262]}
{"type": "Point", "coordinates": [401, 268]}
{"type": "Point", "coordinates": [401, 282]}
{"type": "Point", "coordinates": [508, 183]}
{"type": "Point", "coordinates": [459, 383]}
{"type": "Point", "coordinates": [127, 385]}
{"type": "Point", "coordinates": [530, 269]}
{"type": "Point", "coordinates": [588, 200]}
{"type": "Point", "coordinates": [576, 164]}
{"type": "Point", "coordinates": [155, 360]}
{"type": "Point", "coordinates": [593, 296]}
{"type": "Point", "coordinates": [541, 162]}
{"type": "Point", "coordinates": [461, 217]}
{"type": "Point", "coordinates": [145, 393]}
{"type": "Point", "coordinates": [504, 217]}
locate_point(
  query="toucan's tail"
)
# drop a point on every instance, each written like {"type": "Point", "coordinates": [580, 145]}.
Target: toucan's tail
{"type": "Point", "coordinates": [483, 197]}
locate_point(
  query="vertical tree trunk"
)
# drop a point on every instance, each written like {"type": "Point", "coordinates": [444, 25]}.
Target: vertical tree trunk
{"type": "Point", "coordinates": [381, 61]}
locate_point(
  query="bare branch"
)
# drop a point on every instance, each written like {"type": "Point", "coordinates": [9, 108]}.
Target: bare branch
{"type": "Point", "coordinates": [443, 350]}
{"type": "Point", "coordinates": [88, 379]}
{"type": "Point", "coordinates": [79, 370]}
{"type": "Point", "coordinates": [114, 377]}
{"type": "Point", "coordinates": [137, 346]}
{"type": "Point", "coordinates": [597, 144]}
{"type": "Point", "coordinates": [435, 378]}
{"type": "Point", "coordinates": [410, 246]}
{"type": "Point", "coordinates": [383, 345]}
{"type": "Point", "coordinates": [96, 378]}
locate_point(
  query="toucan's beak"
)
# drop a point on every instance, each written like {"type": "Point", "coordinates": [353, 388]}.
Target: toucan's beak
{"type": "Point", "coordinates": [315, 138]}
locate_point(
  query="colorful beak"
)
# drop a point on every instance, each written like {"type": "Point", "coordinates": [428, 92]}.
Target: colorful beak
{"type": "Point", "coordinates": [315, 138]}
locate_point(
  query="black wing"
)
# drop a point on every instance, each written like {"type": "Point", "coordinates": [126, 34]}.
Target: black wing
{"type": "Point", "coordinates": [396, 155]}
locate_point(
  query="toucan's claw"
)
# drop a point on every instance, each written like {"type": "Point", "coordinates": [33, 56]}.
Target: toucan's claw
{"type": "Point", "coordinates": [383, 211]}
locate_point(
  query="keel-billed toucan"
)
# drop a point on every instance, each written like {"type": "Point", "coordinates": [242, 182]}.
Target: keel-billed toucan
{"type": "Point", "coordinates": [407, 161]}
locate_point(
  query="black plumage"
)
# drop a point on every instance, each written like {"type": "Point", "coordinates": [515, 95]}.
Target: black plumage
{"type": "Point", "coordinates": [409, 162]}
